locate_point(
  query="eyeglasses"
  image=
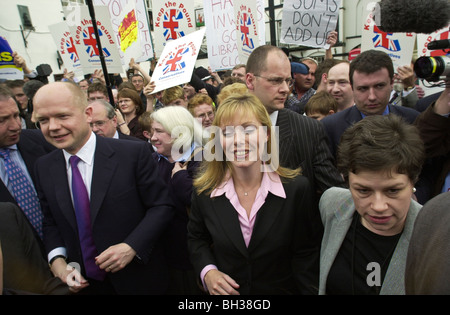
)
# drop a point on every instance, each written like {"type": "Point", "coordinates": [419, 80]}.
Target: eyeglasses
{"type": "Point", "coordinates": [277, 81]}
{"type": "Point", "coordinates": [203, 115]}
{"type": "Point", "coordinates": [99, 123]}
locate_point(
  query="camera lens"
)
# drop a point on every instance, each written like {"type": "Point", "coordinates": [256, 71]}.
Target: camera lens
{"type": "Point", "coordinates": [431, 68]}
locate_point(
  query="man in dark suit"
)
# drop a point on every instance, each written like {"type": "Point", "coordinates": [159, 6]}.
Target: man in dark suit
{"type": "Point", "coordinates": [25, 147]}
{"type": "Point", "coordinates": [372, 79]}
{"type": "Point", "coordinates": [104, 121]}
{"type": "Point", "coordinates": [105, 190]}
{"type": "Point", "coordinates": [302, 140]}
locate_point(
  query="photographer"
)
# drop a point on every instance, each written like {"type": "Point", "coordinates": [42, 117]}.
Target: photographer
{"type": "Point", "coordinates": [434, 128]}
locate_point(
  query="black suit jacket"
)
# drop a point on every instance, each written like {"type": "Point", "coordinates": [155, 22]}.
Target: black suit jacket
{"type": "Point", "coordinates": [336, 124]}
{"type": "Point", "coordinates": [283, 249]}
{"type": "Point", "coordinates": [129, 203]}
{"type": "Point", "coordinates": [303, 143]}
{"type": "Point", "coordinates": [31, 146]}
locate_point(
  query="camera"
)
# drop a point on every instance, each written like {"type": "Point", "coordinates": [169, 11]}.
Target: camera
{"type": "Point", "coordinates": [433, 69]}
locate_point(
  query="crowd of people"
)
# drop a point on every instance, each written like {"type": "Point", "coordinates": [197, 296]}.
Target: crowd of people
{"type": "Point", "coordinates": [274, 177]}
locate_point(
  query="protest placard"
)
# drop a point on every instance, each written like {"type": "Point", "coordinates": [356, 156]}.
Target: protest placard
{"type": "Point", "coordinates": [424, 39]}
{"type": "Point", "coordinates": [66, 48]}
{"type": "Point", "coordinates": [221, 33]}
{"type": "Point", "coordinates": [309, 22]}
{"type": "Point", "coordinates": [399, 46]}
{"type": "Point", "coordinates": [118, 9]}
{"type": "Point", "coordinates": [171, 20]}
{"type": "Point", "coordinates": [83, 35]}
{"type": "Point", "coordinates": [177, 61]}
{"type": "Point", "coordinates": [247, 29]}
{"type": "Point", "coordinates": [8, 70]}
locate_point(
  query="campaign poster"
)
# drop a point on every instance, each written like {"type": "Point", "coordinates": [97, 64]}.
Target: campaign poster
{"type": "Point", "coordinates": [8, 70]}
{"type": "Point", "coordinates": [308, 23]}
{"type": "Point", "coordinates": [85, 41]}
{"type": "Point", "coordinates": [399, 46]}
{"type": "Point", "coordinates": [177, 61]}
{"type": "Point", "coordinates": [222, 34]}
{"type": "Point", "coordinates": [120, 10]}
{"type": "Point", "coordinates": [247, 29]}
{"type": "Point", "coordinates": [424, 39]}
{"type": "Point", "coordinates": [171, 20]}
{"type": "Point", "coordinates": [66, 48]}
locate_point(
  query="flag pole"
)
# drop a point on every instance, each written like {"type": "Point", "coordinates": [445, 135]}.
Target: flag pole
{"type": "Point", "coordinates": [100, 49]}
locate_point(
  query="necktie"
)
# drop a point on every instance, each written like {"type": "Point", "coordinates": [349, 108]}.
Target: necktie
{"type": "Point", "coordinates": [82, 212]}
{"type": "Point", "coordinates": [23, 192]}
{"type": "Point", "coordinates": [394, 98]}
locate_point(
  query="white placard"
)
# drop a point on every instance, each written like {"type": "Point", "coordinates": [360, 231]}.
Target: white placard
{"type": "Point", "coordinates": [221, 33]}
{"type": "Point", "coordinates": [66, 47]}
{"type": "Point", "coordinates": [308, 23]}
{"type": "Point", "coordinates": [83, 35]}
{"type": "Point", "coordinates": [171, 20]}
{"type": "Point", "coordinates": [117, 10]}
{"type": "Point", "coordinates": [247, 28]}
{"type": "Point", "coordinates": [424, 39]}
{"type": "Point", "coordinates": [399, 46]}
{"type": "Point", "coordinates": [177, 61]}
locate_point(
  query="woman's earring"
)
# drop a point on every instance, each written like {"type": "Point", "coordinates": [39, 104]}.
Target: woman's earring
{"type": "Point", "coordinates": [414, 190]}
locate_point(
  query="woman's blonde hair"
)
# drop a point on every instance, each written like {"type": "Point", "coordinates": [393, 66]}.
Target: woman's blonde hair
{"type": "Point", "coordinates": [213, 172]}
{"type": "Point", "coordinates": [179, 122]}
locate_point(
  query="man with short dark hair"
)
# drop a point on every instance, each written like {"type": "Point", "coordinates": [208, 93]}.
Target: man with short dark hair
{"type": "Point", "coordinates": [371, 77]}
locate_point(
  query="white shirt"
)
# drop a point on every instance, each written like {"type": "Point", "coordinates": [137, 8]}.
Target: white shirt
{"type": "Point", "coordinates": [86, 167]}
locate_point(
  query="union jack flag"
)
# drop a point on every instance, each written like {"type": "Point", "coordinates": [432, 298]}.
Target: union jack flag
{"type": "Point", "coordinates": [91, 42]}
{"type": "Point", "coordinates": [381, 39]}
{"type": "Point", "coordinates": [71, 49]}
{"type": "Point", "coordinates": [171, 26]}
{"type": "Point", "coordinates": [246, 22]}
{"type": "Point", "coordinates": [175, 61]}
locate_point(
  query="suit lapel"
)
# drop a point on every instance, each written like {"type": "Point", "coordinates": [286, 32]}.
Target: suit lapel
{"type": "Point", "coordinates": [265, 219]}
{"type": "Point", "coordinates": [104, 166]}
{"type": "Point", "coordinates": [229, 220]}
{"type": "Point", "coordinates": [285, 130]}
{"type": "Point", "coordinates": [58, 173]}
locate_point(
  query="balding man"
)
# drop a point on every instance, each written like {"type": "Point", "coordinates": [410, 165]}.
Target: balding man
{"type": "Point", "coordinates": [105, 207]}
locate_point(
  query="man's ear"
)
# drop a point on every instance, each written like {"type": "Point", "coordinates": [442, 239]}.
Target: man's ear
{"type": "Point", "coordinates": [250, 81]}
{"type": "Point", "coordinates": [147, 134]}
{"type": "Point", "coordinates": [88, 113]}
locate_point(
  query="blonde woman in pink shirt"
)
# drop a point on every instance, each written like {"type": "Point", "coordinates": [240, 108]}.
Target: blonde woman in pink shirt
{"type": "Point", "coordinates": [253, 228]}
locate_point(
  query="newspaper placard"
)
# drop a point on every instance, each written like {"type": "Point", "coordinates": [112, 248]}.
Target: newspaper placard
{"type": "Point", "coordinates": [308, 23]}
{"type": "Point", "coordinates": [171, 20]}
{"type": "Point", "coordinates": [8, 70]}
{"type": "Point", "coordinates": [66, 47]}
{"type": "Point", "coordinates": [399, 46]}
{"type": "Point", "coordinates": [118, 9]}
{"type": "Point", "coordinates": [177, 61]}
{"type": "Point", "coordinates": [83, 34]}
{"type": "Point", "coordinates": [221, 33]}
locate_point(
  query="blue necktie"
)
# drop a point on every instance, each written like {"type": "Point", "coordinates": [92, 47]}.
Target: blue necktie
{"type": "Point", "coordinates": [83, 215]}
{"type": "Point", "coordinates": [23, 192]}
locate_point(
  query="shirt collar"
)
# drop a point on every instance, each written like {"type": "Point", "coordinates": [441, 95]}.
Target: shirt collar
{"type": "Point", "coordinates": [270, 182]}
{"type": "Point", "coordinates": [186, 155]}
{"type": "Point", "coordinates": [86, 153]}
{"type": "Point", "coordinates": [386, 112]}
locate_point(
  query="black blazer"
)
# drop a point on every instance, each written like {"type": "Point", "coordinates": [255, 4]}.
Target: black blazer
{"type": "Point", "coordinates": [129, 203]}
{"type": "Point", "coordinates": [31, 146]}
{"type": "Point", "coordinates": [336, 124]}
{"type": "Point", "coordinates": [283, 249]}
{"type": "Point", "coordinates": [303, 143]}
